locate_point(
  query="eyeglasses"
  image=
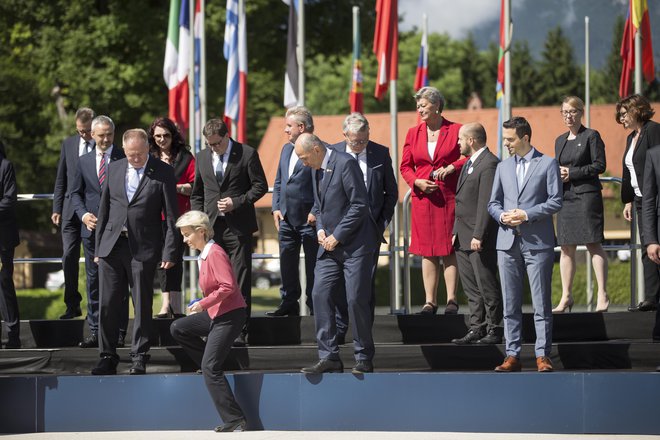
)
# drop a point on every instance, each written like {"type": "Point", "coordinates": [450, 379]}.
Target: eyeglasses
{"type": "Point", "coordinates": [357, 143]}
{"type": "Point", "coordinates": [214, 145]}
{"type": "Point", "coordinates": [162, 136]}
{"type": "Point", "coordinates": [569, 112]}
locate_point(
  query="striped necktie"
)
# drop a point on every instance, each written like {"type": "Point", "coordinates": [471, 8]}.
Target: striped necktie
{"type": "Point", "coordinates": [103, 168]}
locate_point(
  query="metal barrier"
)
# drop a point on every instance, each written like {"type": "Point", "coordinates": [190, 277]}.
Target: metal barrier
{"type": "Point", "coordinates": [636, 280]}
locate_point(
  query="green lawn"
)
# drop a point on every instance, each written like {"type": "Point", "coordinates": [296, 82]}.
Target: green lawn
{"type": "Point", "coordinates": [43, 304]}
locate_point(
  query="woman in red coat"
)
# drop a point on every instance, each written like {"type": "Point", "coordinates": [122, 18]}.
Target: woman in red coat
{"type": "Point", "coordinates": [431, 165]}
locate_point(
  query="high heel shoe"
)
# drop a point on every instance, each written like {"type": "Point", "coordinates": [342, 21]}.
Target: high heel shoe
{"type": "Point", "coordinates": [562, 306]}
{"type": "Point", "coordinates": [167, 315]}
{"type": "Point", "coordinates": [429, 309]}
{"type": "Point", "coordinates": [602, 308]}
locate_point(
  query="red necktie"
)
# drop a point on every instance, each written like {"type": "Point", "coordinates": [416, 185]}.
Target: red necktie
{"type": "Point", "coordinates": [102, 170]}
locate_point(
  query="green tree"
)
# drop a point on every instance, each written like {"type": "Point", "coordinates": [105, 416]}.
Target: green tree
{"type": "Point", "coordinates": [526, 82]}
{"type": "Point", "coordinates": [559, 74]}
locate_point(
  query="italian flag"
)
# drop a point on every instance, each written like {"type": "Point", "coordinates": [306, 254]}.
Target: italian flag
{"type": "Point", "coordinates": [177, 63]}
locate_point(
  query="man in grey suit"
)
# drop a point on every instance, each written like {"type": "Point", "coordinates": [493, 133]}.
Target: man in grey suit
{"type": "Point", "coordinates": [378, 177]}
{"type": "Point", "coordinates": [347, 236]}
{"type": "Point", "coordinates": [475, 233]}
{"type": "Point", "coordinates": [63, 211]}
{"type": "Point", "coordinates": [293, 199]}
{"type": "Point", "coordinates": [130, 244]}
{"type": "Point", "coordinates": [527, 191]}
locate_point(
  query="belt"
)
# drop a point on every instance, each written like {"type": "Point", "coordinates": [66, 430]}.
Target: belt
{"type": "Point", "coordinates": [123, 234]}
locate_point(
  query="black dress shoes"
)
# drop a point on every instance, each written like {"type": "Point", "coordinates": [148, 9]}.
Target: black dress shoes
{"type": "Point", "coordinates": [292, 309]}
{"type": "Point", "coordinates": [324, 366]}
{"type": "Point", "coordinates": [71, 313]}
{"type": "Point", "coordinates": [491, 338]}
{"type": "Point", "coordinates": [235, 426]}
{"type": "Point", "coordinates": [106, 366]}
{"type": "Point", "coordinates": [362, 367]}
{"type": "Point", "coordinates": [139, 365]}
{"type": "Point", "coordinates": [471, 337]}
{"type": "Point", "coordinates": [644, 306]}
{"type": "Point", "coordinates": [90, 342]}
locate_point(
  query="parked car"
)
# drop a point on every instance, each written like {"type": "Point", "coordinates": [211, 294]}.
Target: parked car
{"type": "Point", "coordinates": [55, 280]}
{"type": "Point", "coordinates": [265, 275]}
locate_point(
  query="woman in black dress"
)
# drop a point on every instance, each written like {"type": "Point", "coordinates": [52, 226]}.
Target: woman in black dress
{"type": "Point", "coordinates": [634, 113]}
{"type": "Point", "coordinates": [581, 156]}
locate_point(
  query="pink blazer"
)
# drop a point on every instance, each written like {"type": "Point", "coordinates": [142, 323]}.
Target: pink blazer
{"type": "Point", "coordinates": [218, 283]}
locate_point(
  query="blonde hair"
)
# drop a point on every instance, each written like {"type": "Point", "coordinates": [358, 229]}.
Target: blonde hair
{"type": "Point", "coordinates": [196, 220]}
{"type": "Point", "coordinates": [574, 102]}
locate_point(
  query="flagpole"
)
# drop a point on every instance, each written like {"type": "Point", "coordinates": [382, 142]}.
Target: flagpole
{"type": "Point", "coordinates": [506, 112]}
{"type": "Point", "coordinates": [300, 51]}
{"type": "Point", "coordinates": [587, 82]}
{"type": "Point", "coordinates": [191, 74]}
{"type": "Point", "coordinates": [202, 73]}
{"type": "Point", "coordinates": [395, 294]}
{"type": "Point", "coordinates": [638, 60]}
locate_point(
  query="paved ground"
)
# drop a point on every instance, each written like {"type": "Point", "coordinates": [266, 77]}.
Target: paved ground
{"type": "Point", "coordinates": [306, 435]}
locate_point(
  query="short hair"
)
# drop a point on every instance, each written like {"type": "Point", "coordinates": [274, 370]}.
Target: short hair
{"type": "Point", "coordinates": [102, 120]}
{"type": "Point", "coordinates": [432, 95]}
{"type": "Point", "coordinates": [196, 220]}
{"type": "Point", "coordinates": [637, 106]}
{"type": "Point", "coordinates": [476, 131]}
{"type": "Point", "coordinates": [135, 134]}
{"type": "Point", "coordinates": [302, 116]}
{"type": "Point", "coordinates": [308, 141]}
{"type": "Point", "coordinates": [355, 123]}
{"type": "Point", "coordinates": [215, 126]}
{"type": "Point", "coordinates": [574, 102]}
{"type": "Point", "coordinates": [521, 126]}
{"type": "Point", "coordinates": [85, 114]}
{"type": "Point", "coordinates": [178, 144]}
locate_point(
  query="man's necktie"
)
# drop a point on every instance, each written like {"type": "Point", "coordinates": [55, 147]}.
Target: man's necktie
{"type": "Point", "coordinates": [102, 170]}
{"type": "Point", "coordinates": [133, 182]}
{"type": "Point", "coordinates": [520, 172]}
{"type": "Point", "coordinates": [219, 173]}
{"type": "Point", "coordinates": [466, 170]}
{"type": "Point", "coordinates": [319, 179]}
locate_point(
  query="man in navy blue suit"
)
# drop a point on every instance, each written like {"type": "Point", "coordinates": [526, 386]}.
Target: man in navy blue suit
{"type": "Point", "coordinates": [378, 177]}
{"type": "Point", "coordinates": [293, 199]}
{"type": "Point", "coordinates": [63, 212]}
{"type": "Point", "coordinates": [88, 184]}
{"type": "Point", "coordinates": [347, 235]}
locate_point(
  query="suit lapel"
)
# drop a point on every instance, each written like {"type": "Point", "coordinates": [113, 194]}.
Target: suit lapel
{"type": "Point", "coordinates": [147, 172]}
{"type": "Point", "coordinates": [536, 158]}
{"type": "Point", "coordinates": [232, 160]}
{"type": "Point", "coordinates": [327, 175]}
{"type": "Point", "coordinates": [371, 163]}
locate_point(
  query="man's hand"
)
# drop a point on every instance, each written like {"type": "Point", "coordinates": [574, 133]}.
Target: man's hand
{"type": "Point", "coordinates": [444, 172]}
{"type": "Point", "coordinates": [653, 251]}
{"type": "Point", "coordinates": [96, 260]}
{"type": "Point", "coordinates": [627, 212]}
{"type": "Point", "coordinates": [330, 243]}
{"type": "Point", "coordinates": [426, 186]}
{"type": "Point", "coordinates": [56, 218]}
{"type": "Point", "coordinates": [166, 264]}
{"type": "Point", "coordinates": [320, 236]}
{"type": "Point", "coordinates": [563, 171]}
{"type": "Point", "coordinates": [475, 245]}
{"type": "Point", "coordinates": [514, 217]}
{"type": "Point", "coordinates": [277, 218]}
{"type": "Point", "coordinates": [89, 220]}
{"type": "Point", "coordinates": [311, 219]}
{"type": "Point", "coordinates": [225, 205]}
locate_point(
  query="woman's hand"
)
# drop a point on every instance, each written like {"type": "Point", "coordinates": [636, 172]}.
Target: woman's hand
{"type": "Point", "coordinates": [426, 186]}
{"type": "Point", "coordinates": [564, 174]}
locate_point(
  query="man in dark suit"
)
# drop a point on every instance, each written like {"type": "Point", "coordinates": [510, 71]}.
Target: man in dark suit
{"type": "Point", "coordinates": [293, 199]}
{"type": "Point", "coordinates": [229, 179]}
{"type": "Point", "coordinates": [8, 241]}
{"type": "Point", "coordinates": [91, 177]}
{"type": "Point", "coordinates": [651, 232]}
{"type": "Point", "coordinates": [378, 177]}
{"type": "Point", "coordinates": [475, 232]}
{"type": "Point", "coordinates": [527, 191]}
{"type": "Point", "coordinates": [63, 212]}
{"type": "Point", "coordinates": [347, 235]}
{"type": "Point", "coordinates": [130, 243]}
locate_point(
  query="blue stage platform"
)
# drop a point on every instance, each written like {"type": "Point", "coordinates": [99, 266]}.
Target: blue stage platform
{"type": "Point", "coordinates": [560, 402]}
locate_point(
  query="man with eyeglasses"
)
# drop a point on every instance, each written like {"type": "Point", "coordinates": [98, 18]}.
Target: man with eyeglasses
{"type": "Point", "coordinates": [293, 200]}
{"type": "Point", "coordinates": [229, 179]}
{"type": "Point", "coordinates": [63, 210]}
{"type": "Point", "coordinates": [378, 176]}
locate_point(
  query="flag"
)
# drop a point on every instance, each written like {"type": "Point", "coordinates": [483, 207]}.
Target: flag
{"type": "Point", "coordinates": [499, 87]}
{"type": "Point", "coordinates": [386, 44]}
{"type": "Point", "coordinates": [235, 52]}
{"type": "Point", "coordinates": [637, 20]}
{"type": "Point", "coordinates": [422, 74]}
{"type": "Point", "coordinates": [355, 97]}
{"type": "Point", "coordinates": [177, 65]}
{"type": "Point", "coordinates": [198, 26]}
{"type": "Point", "coordinates": [291, 74]}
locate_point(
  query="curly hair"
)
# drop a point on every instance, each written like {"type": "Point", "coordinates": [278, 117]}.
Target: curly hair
{"type": "Point", "coordinates": [636, 106]}
{"type": "Point", "coordinates": [178, 144]}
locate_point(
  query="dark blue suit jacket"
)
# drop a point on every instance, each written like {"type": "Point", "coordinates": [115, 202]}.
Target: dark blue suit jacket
{"type": "Point", "coordinates": [293, 196]}
{"type": "Point", "coordinates": [66, 173]}
{"type": "Point", "coordinates": [344, 208]}
{"type": "Point", "coordinates": [381, 183]}
{"type": "Point", "coordinates": [8, 196]}
{"type": "Point", "coordinates": [86, 191]}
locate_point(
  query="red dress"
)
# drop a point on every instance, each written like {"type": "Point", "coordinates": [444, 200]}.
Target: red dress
{"type": "Point", "coordinates": [432, 214]}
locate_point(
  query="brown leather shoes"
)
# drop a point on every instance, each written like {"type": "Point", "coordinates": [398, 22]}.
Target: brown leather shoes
{"type": "Point", "coordinates": [543, 364]}
{"type": "Point", "coordinates": [509, 365]}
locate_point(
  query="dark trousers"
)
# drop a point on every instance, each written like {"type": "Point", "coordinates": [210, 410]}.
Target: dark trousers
{"type": "Point", "coordinates": [8, 302]}
{"type": "Point", "coordinates": [116, 272]}
{"type": "Point", "coordinates": [221, 333]}
{"type": "Point", "coordinates": [291, 238]}
{"type": "Point", "coordinates": [651, 270]}
{"type": "Point", "coordinates": [71, 260]}
{"type": "Point", "coordinates": [92, 272]}
{"type": "Point", "coordinates": [171, 279]}
{"type": "Point", "coordinates": [239, 249]}
{"type": "Point", "coordinates": [342, 305]}
{"type": "Point", "coordinates": [478, 272]}
{"type": "Point", "coordinates": [355, 274]}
